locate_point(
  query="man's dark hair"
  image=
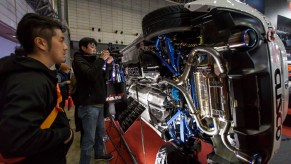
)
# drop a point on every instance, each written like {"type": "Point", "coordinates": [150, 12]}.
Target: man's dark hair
{"type": "Point", "coordinates": [33, 25]}
{"type": "Point", "coordinates": [85, 42]}
{"type": "Point", "coordinates": [19, 51]}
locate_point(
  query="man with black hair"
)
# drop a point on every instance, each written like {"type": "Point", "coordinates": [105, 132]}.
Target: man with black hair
{"type": "Point", "coordinates": [33, 128]}
{"type": "Point", "coordinates": [90, 74]}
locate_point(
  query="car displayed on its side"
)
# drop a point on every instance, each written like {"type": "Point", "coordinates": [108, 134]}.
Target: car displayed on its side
{"type": "Point", "coordinates": [214, 71]}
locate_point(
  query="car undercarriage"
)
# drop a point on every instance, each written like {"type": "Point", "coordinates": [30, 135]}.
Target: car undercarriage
{"type": "Point", "coordinates": [211, 72]}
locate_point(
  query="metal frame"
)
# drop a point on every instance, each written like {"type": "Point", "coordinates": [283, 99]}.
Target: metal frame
{"type": "Point", "coordinates": [42, 7]}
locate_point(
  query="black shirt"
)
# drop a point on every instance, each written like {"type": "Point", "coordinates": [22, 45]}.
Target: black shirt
{"type": "Point", "coordinates": [27, 96]}
{"type": "Point", "coordinates": [90, 77]}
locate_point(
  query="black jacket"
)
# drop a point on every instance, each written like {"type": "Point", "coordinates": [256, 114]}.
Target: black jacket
{"type": "Point", "coordinates": [90, 78]}
{"type": "Point", "coordinates": [27, 96]}
{"type": "Point", "coordinates": [64, 87]}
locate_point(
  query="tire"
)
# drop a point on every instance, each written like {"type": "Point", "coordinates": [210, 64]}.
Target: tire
{"type": "Point", "coordinates": [168, 19]}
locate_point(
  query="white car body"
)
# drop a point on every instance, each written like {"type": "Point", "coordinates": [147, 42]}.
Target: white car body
{"type": "Point", "coordinates": [278, 56]}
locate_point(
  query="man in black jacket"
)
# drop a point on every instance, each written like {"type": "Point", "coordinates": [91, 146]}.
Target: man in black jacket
{"type": "Point", "coordinates": [28, 95]}
{"type": "Point", "coordinates": [90, 74]}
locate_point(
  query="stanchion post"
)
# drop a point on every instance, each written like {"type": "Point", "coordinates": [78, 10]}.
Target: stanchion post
{"type": "Point", "coordinates": [123, 139]}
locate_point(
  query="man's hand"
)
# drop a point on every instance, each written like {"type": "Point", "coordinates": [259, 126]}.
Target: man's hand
{"type": "Point", "coordinates": [105, 55]}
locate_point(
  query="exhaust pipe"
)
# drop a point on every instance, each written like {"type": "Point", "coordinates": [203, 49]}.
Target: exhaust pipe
{"type": "Point", "coordinates": [244, 39]}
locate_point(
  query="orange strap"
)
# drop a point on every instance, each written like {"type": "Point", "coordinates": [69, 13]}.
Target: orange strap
{"type": "Point", "coordinates": [10, 160]}
{"type": "Point", "coordinates": [52, 116]}
{"type": "Point", "coordinates": [45, 125]}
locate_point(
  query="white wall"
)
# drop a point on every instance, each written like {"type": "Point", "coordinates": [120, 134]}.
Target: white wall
{"type": "Point", "coordinates": [6, 47]}
{"type": "Point", "coordinates": [11, 11]}
{"type": "Point", "coordinates": [274, 8]}
{"type": "Point", "coordinates": [109, 15]}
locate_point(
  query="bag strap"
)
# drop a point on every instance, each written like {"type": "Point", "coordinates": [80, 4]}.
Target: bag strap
{"type": "Point", "coordinates": [45, 125]}
{"type": "Point", "coordinates": [53, 115]}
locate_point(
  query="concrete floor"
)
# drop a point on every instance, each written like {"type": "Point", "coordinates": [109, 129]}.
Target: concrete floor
{"type": "Point", "coordinates": [73, 155]}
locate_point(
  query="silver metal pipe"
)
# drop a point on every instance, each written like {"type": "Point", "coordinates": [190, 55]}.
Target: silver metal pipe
{"type": "Point", "coordinates": [190, 62]}
{"type": "Point", "coordinates": [240, 155]}
{"type": "Point", "coordinates": [202, 94]}
{"type": "Point", "coordinates": [196, 113]}
{"type": "Point", "coordinates": [224, 137]}
{"type": "Point", "coordinates": [209, 95]}
{"type": "Point", "coordinates": [224, 96]}
{"type": "Point", "coordinates": [228, 47]}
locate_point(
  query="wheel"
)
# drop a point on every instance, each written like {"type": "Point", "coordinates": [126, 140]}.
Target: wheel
{"type": "Point", "coordinates": [165, 20]}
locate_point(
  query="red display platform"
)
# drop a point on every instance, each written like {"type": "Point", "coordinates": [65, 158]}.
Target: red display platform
{"type": "Point", "coordinates": [152, 144]}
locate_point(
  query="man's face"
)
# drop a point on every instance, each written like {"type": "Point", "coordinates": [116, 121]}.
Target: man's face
{"type": "Point", "coordinates": [58, 47]}
{"type": "Point", "coordinates": [90, 49]}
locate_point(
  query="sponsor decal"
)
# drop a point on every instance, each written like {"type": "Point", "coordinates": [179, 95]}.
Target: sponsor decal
{"type": "Point", "coordinates": [279, 107]}
{"type": "Point", "coordinates": [113, 97]}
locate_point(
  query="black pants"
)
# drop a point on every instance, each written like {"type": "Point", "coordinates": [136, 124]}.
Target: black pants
{"type": "Point", "coordinates": [78, 122]}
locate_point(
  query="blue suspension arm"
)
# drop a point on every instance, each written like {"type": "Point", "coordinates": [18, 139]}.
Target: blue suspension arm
{"type": "Point", "coordinates": [171, 52]}
{"type": "Point", "coordinates": [174, 117]}
{"type": "Point", "coordinates": [190, 133]}
{"type": "Point", "coordinates": [166, 64]}
{"type": "Point", "coordinates": [182, 134]}
{"type": "Point", "coordinates": [157, 53]}
{"type": "Point", "coordinates": [158, 44]}
{"type": "Point", "coordinates": [184, 128]}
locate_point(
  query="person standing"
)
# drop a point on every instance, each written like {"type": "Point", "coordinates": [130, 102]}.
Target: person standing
{"type": "Point", "coordinates": [63, 75]}
{"type": "Point", "coordinates": [90, 76]}
{"type": "Point", "coordinates": [28, 95]}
